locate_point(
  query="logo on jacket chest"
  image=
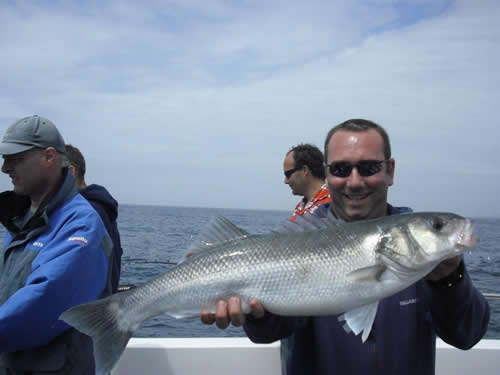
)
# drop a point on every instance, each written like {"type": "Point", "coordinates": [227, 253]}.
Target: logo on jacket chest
{"type": "Point", "coordinates": [407, 302]}
{"type": "Point", "coordinates": [82, 240]}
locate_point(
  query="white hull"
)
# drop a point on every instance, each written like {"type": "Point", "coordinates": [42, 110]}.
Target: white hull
{"type": "Point", "coordinates": [238, 355]}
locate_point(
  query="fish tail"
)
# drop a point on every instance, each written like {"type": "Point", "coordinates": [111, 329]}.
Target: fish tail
{"type": "Point", "coordinates": [99, 320]}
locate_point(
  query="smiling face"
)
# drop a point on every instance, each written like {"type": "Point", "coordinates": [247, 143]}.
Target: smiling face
{"type": "Point", "coordinates": [356, 197]}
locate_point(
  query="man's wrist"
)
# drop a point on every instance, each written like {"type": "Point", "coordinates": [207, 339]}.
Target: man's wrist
{"type": "Point", "coordinates": [452, 279]}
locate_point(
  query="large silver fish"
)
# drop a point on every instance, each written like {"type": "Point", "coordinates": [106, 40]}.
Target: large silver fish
{"type": "Point", "coordinates": [315, 267]}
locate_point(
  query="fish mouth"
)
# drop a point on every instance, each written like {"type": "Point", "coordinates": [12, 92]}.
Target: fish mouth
{"type": "Point", "coordinates": [467, 238]}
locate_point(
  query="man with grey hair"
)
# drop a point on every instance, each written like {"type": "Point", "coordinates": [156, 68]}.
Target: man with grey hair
{"type": "Point", "coordinates": [55, 255]}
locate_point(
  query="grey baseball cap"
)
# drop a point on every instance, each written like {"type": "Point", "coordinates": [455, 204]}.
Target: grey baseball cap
{"type": "Point", "coordinates": [31, 132]}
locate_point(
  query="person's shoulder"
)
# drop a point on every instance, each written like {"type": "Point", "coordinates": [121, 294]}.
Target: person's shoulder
{"type": "Point", "coordinates": [79, 209]}
{"type": "Point", "coordinates": [94, 189]}
{"type": "Point", "coordinates": [99, 190]}
{"type": "Point", "coordinates": [98, 193]}
{"type": "Point", "coordinates": [102, 201]}
{"type": "Point", "coordinates": [394, 210]}
{"type": "Point", "coordinates": [322, 210]}
{"type": "Point", "coordinates": [74, 219]}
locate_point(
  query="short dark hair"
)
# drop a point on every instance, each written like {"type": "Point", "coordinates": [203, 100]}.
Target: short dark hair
{"type": "Point", "coordinates": [311, 156]}
{"type": "Point", "coordinates": [360, 125]}
{"type": "Point", "coordinates": [76, 159]}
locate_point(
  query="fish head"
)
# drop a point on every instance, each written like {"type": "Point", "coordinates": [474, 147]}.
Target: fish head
{"type": "Point", "coordinates": [416, 243]}
{"type": "Point", "coordinates": [439, 236]}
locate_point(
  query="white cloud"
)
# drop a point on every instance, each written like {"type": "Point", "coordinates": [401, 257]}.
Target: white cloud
{"type": "Point", "coordinates": [196, 103]}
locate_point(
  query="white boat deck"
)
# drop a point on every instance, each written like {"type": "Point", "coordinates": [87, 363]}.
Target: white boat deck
{"type": "Point", "coordinates": [238, 355]}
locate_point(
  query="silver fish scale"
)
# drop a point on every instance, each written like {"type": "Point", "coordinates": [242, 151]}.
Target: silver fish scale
{"type": "Point", "coordinates": [289, 273]}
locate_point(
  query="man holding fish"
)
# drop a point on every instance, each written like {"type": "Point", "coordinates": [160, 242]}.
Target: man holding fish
{"type": "Point", "coordinates": [399, 332]}
{"type": "Point", "coordinates": [372, 269]}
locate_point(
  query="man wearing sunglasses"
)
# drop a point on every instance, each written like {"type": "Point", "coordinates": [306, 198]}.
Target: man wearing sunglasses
{"type": "Point", "coordinates": [360, 171]}
{"type": "Point", "coordinates": [55, 255]}
{"type": "Point", "coordinates": [305, 174]}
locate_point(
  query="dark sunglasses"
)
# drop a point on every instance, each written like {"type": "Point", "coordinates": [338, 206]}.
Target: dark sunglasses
{"type": "Point", "coordinates": [365, 168]}
{"type": "Point", "coordinates": [289, 172]}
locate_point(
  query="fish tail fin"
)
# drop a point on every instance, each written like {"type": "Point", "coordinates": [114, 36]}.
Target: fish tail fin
{"type": "Point", "coordinates": [99, 320]}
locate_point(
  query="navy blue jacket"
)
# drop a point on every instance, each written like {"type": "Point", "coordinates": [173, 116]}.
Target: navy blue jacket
{"type": "Point", "coordinates": [403, 337]}
{"type": "Point", "coordinates": [107, 208]}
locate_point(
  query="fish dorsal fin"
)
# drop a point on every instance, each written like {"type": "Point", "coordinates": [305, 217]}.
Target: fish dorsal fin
{"type": "Point", "coordinates": [308, 222]}
{"type": "Point", "coordinates": [360, 320]}
{"type": "Point", "coordinates": [218, 230]}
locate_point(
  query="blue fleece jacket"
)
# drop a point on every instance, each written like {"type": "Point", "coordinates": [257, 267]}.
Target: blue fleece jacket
{"type": "Point", "coordinates": [403, 337]}
{"type": "Point", "coordinates": [56, 260]}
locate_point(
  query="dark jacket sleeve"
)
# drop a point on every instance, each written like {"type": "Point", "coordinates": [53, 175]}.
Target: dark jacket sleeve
{"type": "Point", "coordinates": [459, 314]}
{"type": "Point", "coordinates": [112, 229]}
{"type": "Point", "coordinates": [271, 327]}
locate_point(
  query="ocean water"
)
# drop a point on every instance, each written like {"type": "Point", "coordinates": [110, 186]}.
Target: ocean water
{"type": "Point", "coordinates": [153, 236]}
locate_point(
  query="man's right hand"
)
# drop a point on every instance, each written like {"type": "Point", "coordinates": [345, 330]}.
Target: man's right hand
{"type": "Point", "coordinates": [230, 312]}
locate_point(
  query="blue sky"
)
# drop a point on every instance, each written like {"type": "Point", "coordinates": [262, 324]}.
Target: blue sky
{"type": "Point", "coordinates": [195, 103]}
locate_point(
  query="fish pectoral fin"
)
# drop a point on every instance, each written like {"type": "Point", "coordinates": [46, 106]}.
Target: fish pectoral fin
{"type": "Point", "coordinates": [360, 320]}
{"type": "Point", "coordinates": [397, 268]}
{"type": "Point", "coordinates": [367, 274]}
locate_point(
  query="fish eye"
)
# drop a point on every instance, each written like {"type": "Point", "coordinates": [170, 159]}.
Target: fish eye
{"type": "Point", "coordinates": [437, 223]}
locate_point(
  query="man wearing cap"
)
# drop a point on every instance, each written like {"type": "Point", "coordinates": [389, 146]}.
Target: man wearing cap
{"type": "Point", "coordinates": [55, 255]}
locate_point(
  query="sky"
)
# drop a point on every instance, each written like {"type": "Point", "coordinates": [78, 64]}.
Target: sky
{"type": "Point", "coordinates": [195, 102]}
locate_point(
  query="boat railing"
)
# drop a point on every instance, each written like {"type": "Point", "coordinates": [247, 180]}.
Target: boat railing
{"type": "Point", "coordinates": [492, 296]}
{"type": "Point", "coordinates": [229, 355]}
{"type": "Point", "coordinates": [238, 355]}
